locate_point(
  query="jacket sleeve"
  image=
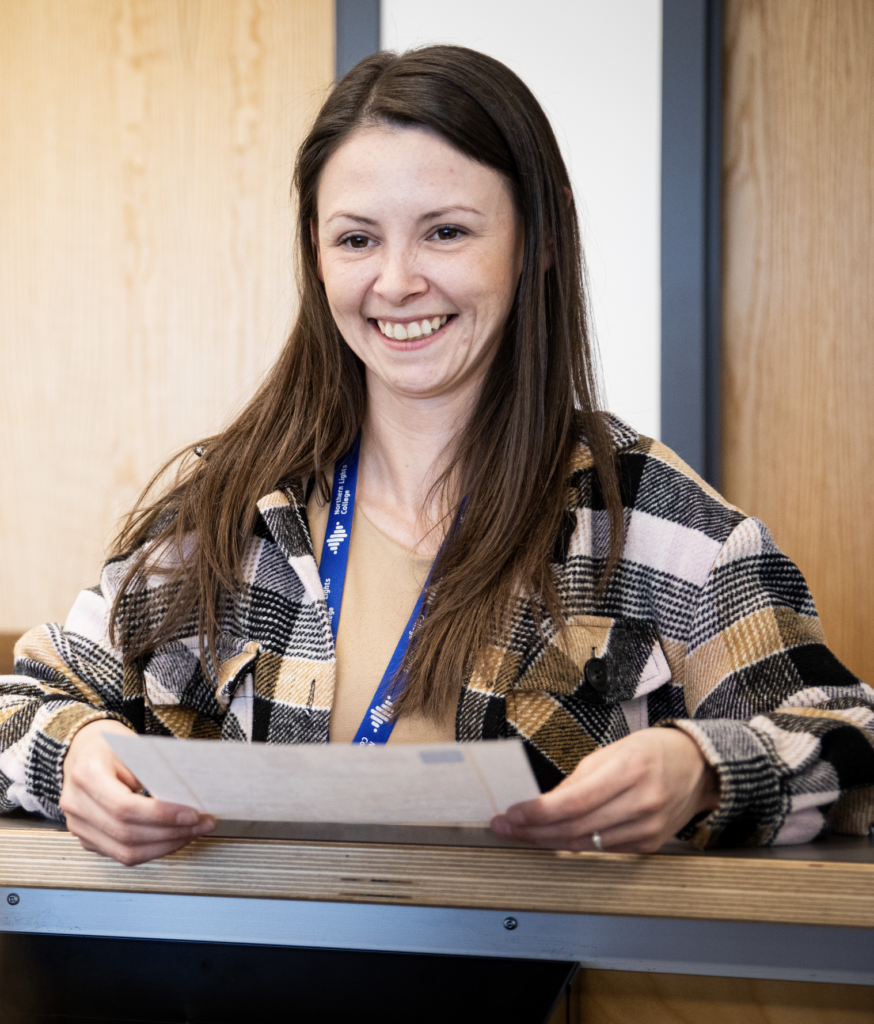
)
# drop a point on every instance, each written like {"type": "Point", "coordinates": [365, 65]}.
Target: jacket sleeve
{"type": "Point", "coordinates": [788, 729]}
{"type": "Point", "coordinates": [65, 677]}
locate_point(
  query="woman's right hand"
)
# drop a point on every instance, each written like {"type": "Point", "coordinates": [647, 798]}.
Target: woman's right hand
{"type": "Point", "coordinates": [104, 809]}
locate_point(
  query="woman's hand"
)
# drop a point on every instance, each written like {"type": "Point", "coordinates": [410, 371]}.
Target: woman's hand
{"type": "Point", "coordinates": [105, 811]}
{"type": "Point", "coordinates": [636, 793]}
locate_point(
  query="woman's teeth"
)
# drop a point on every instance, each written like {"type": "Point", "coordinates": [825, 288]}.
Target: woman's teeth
{"type": "Point", "coordinates": [416, 329]}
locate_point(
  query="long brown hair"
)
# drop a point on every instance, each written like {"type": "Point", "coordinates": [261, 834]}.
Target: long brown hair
{"type": "Point", "coordinates": [512, 458]}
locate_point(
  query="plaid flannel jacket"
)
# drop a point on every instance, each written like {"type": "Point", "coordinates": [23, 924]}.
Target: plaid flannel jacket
{"type": "Point", "coordinates": [705, 626]}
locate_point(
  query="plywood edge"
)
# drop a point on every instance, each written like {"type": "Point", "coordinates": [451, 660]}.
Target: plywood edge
{"type": "Point", "coordinates": [711, 888]}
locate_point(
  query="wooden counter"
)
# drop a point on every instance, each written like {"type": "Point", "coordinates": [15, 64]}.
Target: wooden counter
{"type": "Point", "coordinates": [829, 883]}
{"type": "Point", "coordinates": [784, 916]}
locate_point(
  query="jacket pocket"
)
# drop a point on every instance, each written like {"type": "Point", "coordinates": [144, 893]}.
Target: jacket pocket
{"type": "Point", "coordinates": [173, 675]}
{"type": "Point", "coordinates": [600, 660]}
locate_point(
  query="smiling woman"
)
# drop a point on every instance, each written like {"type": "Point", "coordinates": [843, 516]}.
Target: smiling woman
{"type": "Point", "coordinates": [420, 251]}
{"type": "Point", "coordinates": [424, 528]}
{"type": "Point", "coordinates": [413, 243]}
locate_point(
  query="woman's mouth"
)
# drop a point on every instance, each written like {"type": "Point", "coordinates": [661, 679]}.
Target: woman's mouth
{"type": "Point", "coordinates": [413, 330]}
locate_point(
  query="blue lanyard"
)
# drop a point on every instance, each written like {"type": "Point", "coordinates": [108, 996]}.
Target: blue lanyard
{"type": "Point", "coordinates": [377, 724]}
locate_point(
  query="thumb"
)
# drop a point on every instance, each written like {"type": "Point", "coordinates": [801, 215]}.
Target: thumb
{"type": "Point", "coordinates": [123, 773]}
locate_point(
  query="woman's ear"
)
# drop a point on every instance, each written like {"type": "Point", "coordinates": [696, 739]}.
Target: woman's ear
{"type": "Point", "coordinates": [314, 238]}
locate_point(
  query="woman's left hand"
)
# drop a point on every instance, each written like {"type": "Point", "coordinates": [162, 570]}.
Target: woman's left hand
{"type": "Point", "coordinates": [636, 793]}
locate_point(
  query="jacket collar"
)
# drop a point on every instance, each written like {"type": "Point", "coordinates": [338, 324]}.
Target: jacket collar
{"type": "Point", "coordinates": [621, 434]}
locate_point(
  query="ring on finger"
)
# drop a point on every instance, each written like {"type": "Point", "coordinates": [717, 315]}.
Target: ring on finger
{"type": "Point", "coordinates": [596, 842]}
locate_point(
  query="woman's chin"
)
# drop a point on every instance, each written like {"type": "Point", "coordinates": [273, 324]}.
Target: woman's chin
{"type": "Point", "coordinates": [418, 387]}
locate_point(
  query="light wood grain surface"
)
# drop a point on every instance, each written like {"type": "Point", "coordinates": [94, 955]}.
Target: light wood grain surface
{"type": "Point", "coordinates": [7, 646]}
{"type": "Point", "coordinates": [145, 253]}
{"type": "Point", "coordinates": [713, 888]}
{"type": "Point", "coordinates": [798, 326]}
{"type": "Point", "coordinates": [631, 997]}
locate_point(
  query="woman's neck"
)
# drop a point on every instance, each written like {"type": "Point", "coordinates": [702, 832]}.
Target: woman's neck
{"type": "Point", "coordinates": [406, 445]}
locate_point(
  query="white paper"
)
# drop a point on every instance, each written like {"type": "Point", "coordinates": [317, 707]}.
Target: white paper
{"type": "Point", "coordinates": [440, 783]}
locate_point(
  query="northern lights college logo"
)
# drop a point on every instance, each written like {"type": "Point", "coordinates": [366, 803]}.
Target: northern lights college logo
{"type": "Point", "coordinates": [336, 538]}
{"type": "Point", "coordinates": [380, 715]}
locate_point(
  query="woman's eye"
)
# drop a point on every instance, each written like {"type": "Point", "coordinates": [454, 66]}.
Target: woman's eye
{"type": "Point", "coordinates": [356, 241]}
{"type": "Point", "coordinates": [447, 234]}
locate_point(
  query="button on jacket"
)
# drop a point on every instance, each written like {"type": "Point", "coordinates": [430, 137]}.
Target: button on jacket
{"type": "Point", "coordinates": [704, 626]}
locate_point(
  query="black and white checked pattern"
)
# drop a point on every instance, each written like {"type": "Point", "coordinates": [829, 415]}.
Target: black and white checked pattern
{"type": "Point", "coordinates": [706, 626]}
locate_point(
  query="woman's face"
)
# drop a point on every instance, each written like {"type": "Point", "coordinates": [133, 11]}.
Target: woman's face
{"type": "Point", "coordinates": [420, 251]}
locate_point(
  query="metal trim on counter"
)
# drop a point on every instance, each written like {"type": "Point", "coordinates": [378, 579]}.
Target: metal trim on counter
{"type": "Point", "coordinates": [673, 946]}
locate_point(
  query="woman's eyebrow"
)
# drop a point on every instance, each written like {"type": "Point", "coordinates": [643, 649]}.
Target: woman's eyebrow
{"type": "Point", "coordinates": [430, 215]}
{"type": "Point", "coordinates": [342, 215]}
{"type": "Point", "coordinates": [435, 214]}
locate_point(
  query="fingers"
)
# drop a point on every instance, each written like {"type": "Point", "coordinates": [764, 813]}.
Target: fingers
{"type": "Point", "coordinates": [132, 838]}
{"type": "Point", "coordinates": [110, 818]}
{"type": "Point", "coordinates": [132, 819]}
{"type": "Point", "coordinates": [579, 799]}
{"type": "Point", "coordinates": [108, 798]}
{"type": "Point", "coordinates": [642, 835]}
{"type": "Point", "coordinates": [627, 806]}
{"type": "Point", "coordinates": [132, 844]}
{"type": "Point", "coordinates": [599, 779]}
{"type": "Point", "coordinates": [129, 855]}
{"type": "Point", "coordinates": [100, 789]}
{"type": "Point", "coordinates": [636, 793]}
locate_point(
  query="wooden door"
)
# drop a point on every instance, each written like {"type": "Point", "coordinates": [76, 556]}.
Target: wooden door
{"type": "Point", "coordinates": [145, 251]}
{"type": "Point", "coordinates": [798, 314]}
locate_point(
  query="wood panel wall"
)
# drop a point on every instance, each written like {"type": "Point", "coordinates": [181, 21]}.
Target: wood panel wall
{"type": "Point", "coordinates": [633, 997]}
{"type": "Point", "coordinates": [145, 252]}
{"type": "Point", "coordinates": [798, 323]}
{"type": "Point", "coordinates": [7, 648]}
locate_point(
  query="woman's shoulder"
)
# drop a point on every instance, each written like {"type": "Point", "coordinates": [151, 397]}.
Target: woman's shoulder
{"type": "Point", "coordinates": [661, 493]}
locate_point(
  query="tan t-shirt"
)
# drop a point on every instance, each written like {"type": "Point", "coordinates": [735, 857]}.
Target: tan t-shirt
{"type": "Point", "coordinates": [383, 582]}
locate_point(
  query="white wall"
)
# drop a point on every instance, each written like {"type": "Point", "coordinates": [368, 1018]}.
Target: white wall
{"type": "Point", "coordinates": [595, 65]}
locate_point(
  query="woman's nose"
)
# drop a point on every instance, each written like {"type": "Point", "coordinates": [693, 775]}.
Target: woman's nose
{"type": "Point", "coordinates": [400, 279]}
